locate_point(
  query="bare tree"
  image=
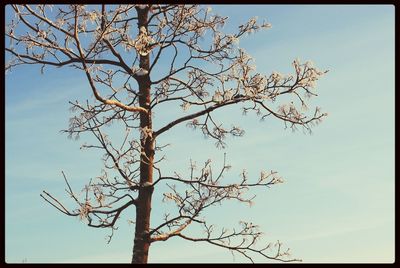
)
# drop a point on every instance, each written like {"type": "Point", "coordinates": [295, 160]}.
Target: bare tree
{"type": "Point", "coordinates": [137, 60]}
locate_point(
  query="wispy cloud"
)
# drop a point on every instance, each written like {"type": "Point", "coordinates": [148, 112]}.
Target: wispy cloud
{"type": "Point", "coordinates": [47, 97]}
{"type": "Point", "coordinates": [334, 231]}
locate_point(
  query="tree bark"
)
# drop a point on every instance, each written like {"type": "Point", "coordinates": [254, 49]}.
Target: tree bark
{"type": "Point", "coordinates": [143, 208]}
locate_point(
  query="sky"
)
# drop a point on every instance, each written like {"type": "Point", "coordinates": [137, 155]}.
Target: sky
{"type": "Point", "coordinates": [337, 202]}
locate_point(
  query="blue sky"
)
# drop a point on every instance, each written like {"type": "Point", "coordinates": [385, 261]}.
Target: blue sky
{"type": "Point", "coordinates": [337, 202]}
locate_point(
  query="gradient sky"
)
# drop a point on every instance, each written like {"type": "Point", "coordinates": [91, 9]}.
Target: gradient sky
{"type": "Point", "coordinates": [337, 202]}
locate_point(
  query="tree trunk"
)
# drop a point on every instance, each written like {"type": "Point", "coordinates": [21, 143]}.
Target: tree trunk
{"type": "Point", "coordinates": [143, 208]}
